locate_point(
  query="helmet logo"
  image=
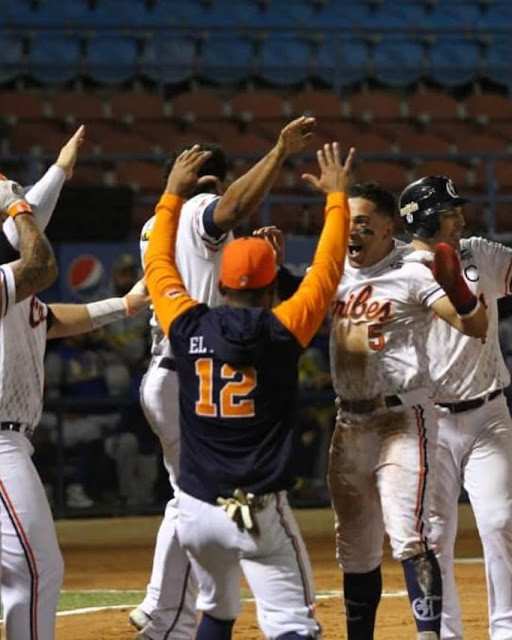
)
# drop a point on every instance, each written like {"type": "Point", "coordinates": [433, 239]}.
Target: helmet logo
{"type": "Point", "coordinates": [450, 188]}
{"type": "Point", "coordinates": [408, 209]}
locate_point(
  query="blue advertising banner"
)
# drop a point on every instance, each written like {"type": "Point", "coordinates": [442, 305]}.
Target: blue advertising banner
{"type": "Point", "coordinates": [85, 268]}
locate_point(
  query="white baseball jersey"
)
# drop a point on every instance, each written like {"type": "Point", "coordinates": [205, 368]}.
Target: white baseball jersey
{"type": "Point", "coordinates": [379, 329]}
{"type": "Point", "coordinates": [462, 367]}
{"type": "Point", "coordinates": [22, 345]}
{"type": "Point", "coordinates": [198, 257]}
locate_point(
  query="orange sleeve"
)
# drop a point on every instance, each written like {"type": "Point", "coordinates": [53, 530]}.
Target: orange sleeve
{"type": "Point", "coordinates": [163, 280]}
{"type": "Point", "coordinates": [303, 313]}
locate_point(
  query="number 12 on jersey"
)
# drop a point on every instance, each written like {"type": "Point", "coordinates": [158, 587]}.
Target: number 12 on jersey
{"type": "Point", "coordinates": [232, 401]}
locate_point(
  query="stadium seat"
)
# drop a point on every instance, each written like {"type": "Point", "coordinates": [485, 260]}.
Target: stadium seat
{"type": "Point", "coordinates": [342, 60]}
{"type": "Point", "coordinates": [451, 168]}
{"type": "Point", "coordinates": [253, 106]}
{"type": "Point", "coordinates": [22, 105]}
{"type": "Point", "coordinates": [112, 140]}
{"type": "Point", "coordinates": [36, 137]}
{"type": "Point", "coordinates": [501, 171]}
{"type": "Point", "coordinates": [12, 57]}
{"type": "Point", "coordinates": [284, 59]}
{"type": "Point", "coordinates": [432, 105]}
{"type": "Point", "coordinates": [134, 105]}
{"type": "Point", "coordinates": [398, 61]}
{"type": "Point", "coordinates": [497, 15]}
{"type": "Point", "coordinates": [192, 106]}
{"type": "Point", "coordinates": [453, 60]}
{"type": "Point", "coordinates": [414, 142]}
{"type": "Point", "coordinates": [372, 142]}
{"type": "Point", "coordinates": [89, 173]}
{"type": "Point", "coordinates": [226, 60]}
{"type": "Point", "coordinates": [119, 13]}
{"type": "Point", "coordinates": [111, 59]}
{"type": "Point", "coordinates": [161, 132]}
{"type": "Point", "coordinates": [391, 175]}
{"type": "Point", "coordinates": [497, 60]}
{"type": "Point", "coordinates": [54, 59]}
{"type": "Point", "coordinates": [170, 58]}
{"type": "Point", "coordinates": [488, 108]}
{"type": "Point", "coordinates": [141, 176]}
{"type": "Point", "coordinates": [246, 144]}
{"type": "Point", "coordinates": [453, 16]}
{"type": "Point", "coordinates": [76, 106]}
{"type": "Point", "coordinates": [375, 106]}
{"type": "Point", "coordinates": [324, 105]}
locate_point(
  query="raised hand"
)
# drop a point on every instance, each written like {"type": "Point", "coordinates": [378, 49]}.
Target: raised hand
{"type": "Point", "coordinates": [275, 238]}
{"type": "Point", "coordinates": [334, 175]}
{"type": "Point", "coordinates": [137, 299]}
{"type": "Point", "coordinates": [182, 179]}
{"type": "Point", "coordinates": [296, 136]}
{"type": "Point", "coordinates": [68, 154]}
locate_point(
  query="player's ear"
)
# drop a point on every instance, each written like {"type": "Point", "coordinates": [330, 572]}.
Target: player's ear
{"type": "Point", "coordinates": [222, 288]}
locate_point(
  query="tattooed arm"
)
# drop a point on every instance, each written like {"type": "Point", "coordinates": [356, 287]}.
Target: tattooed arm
{"type": "Point", "coordinates": [36, 268]}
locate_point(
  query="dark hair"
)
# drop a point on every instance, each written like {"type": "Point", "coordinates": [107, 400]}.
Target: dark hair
{"type": "Point", "coordinates": [248, 297]}
{"type": "Point", "coordinates": [216, 165]}
{"type": "Point", "coordinates": [384, 201]}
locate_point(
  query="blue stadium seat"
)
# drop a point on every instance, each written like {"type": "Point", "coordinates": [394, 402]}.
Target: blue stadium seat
{"type": "Point", "coordinates": [111, 59]}
{"type": "Point", "coordinates": [497, 16]}
{"type": "Point", "coordinates": [169, 58]}
{"type": "Point", "coordinates": [293, 13]}
{"type": "Point", "coordinates": [119, 13]}
{"type": "Point", "coordinates": [285, 59]}
{"type": "Point", "coordinates": [11, 57]}
{"type": "Point", "coordinates": [342, 60]}
{"type": "Point", "coordinates": [497, 60]}
{"type": "Point", "coordinates": [453, 60]}
{"type": "Point", "coordinates": [396, 16]}
{"type": "Point", "coordinates": [398, 61]}
{"type": "Point", "coordinates": [354, 14]}
{"type": "Point", "coordinates": [54, 58]}
{"type": "Point", "coordinates": [226, 59]}
{"type": "Point", "coordinates": [453, 15]}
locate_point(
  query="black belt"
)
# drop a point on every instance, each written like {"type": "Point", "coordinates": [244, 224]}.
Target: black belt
{"type": "Point", "coordinates": [469, 405]}
{"type": "Point", "coordinates": [11, 426]}
{"type": "Point", "coordinates": [370, 404]}
{"type": "Point", "coordinates": [167, 363]}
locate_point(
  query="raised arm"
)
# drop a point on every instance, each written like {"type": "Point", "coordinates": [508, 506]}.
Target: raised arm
{"type": "Point", "coordinates": [303, 313]}
{"type": "Point", "coordinates": [43, 195]}
{"type": "Point", "coordinates": [246, 194]}
{"type": "Point", "coordinates": [72, 319]}
{"type": "Point", "coordinates": [168, 294]}
{"type": "Point", "coordinates": [36, 267]}
{"type": "Point", "coordinates": [460, 307]}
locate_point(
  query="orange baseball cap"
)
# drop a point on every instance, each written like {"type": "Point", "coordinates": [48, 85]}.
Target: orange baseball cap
{"type": "Point", "coordinates": [247, 263]}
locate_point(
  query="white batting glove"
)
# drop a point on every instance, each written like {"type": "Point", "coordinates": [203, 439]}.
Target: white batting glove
{"type": "Point", "coordinates": [12, 201]}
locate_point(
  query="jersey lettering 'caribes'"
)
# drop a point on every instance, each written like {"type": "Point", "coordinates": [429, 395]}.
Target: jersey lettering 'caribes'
{"type": "Point", "coordinates": [380, 323]}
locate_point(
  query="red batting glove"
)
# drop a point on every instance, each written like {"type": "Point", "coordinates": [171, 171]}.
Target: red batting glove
{"type": "Point", "coordinates": [447, 271]}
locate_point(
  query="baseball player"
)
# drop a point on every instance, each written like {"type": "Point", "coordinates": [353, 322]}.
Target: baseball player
{"type": "Point", "coordinates": [168, 610]}
{"type": "Point", "coordinates": [475, 431]}
{"type": "Point", "coordinates": [383, 443]}
{"type": "Point", "coordinates": [237, 367]}
{"type": "Point", "coordinates": [31, 563]}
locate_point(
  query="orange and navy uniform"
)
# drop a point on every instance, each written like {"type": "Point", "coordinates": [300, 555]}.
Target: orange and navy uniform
{"type": "Point", "coordinates": [237, 367]}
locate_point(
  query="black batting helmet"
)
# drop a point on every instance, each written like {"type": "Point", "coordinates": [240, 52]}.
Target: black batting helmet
{"type": "Point", "coordinates": [422, 201]}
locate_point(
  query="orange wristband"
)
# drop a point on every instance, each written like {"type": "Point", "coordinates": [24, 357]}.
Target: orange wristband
{"type": "Point", "coordinates": [20, 206]}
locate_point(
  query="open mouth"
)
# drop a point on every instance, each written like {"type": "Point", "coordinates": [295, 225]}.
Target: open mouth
{"type": "Point", "coordinates": [354, 250]}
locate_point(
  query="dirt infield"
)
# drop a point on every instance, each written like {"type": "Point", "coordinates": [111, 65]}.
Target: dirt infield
{"type": "Point", "coordinates": [117, 554]}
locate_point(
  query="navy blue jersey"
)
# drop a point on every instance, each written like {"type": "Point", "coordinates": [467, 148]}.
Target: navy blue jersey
{"type": "Point", "coordinates": [237, 370]}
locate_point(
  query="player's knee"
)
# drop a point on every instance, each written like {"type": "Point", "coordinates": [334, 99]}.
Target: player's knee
{"type": "Point", "coordinates": [497, 519]}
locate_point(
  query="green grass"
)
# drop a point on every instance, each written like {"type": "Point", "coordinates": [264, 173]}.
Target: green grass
{"type": "Point", "coordinates": [82, 599]}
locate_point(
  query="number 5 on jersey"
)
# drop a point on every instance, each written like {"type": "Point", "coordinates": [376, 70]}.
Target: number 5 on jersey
{"type": "Point", "coordinates": [232, 401]}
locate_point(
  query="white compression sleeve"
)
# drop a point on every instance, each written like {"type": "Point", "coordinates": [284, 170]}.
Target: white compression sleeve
{"type": "Point", "coordinates": [106, 311]}
{"type": "Point", "coordinates": [42, 197]}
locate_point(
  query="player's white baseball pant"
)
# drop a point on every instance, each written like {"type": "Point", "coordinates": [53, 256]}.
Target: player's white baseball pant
{"type": "Point", "coordinates": [475, 447]}
{"type": "Point", "coordinates": [171, 592]}
{"type": "Point", "coordinates": [379, 477]}
{"type": "Point", "coordinates": [274, 562]}
{"type": "Point", "coordinates": [31, 563]}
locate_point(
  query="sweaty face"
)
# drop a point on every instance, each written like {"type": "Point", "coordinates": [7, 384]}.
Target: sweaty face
{"type": "Point", "coordinates": [371, 233]}
{"type": "Point", "coordinates": [451, 226]}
